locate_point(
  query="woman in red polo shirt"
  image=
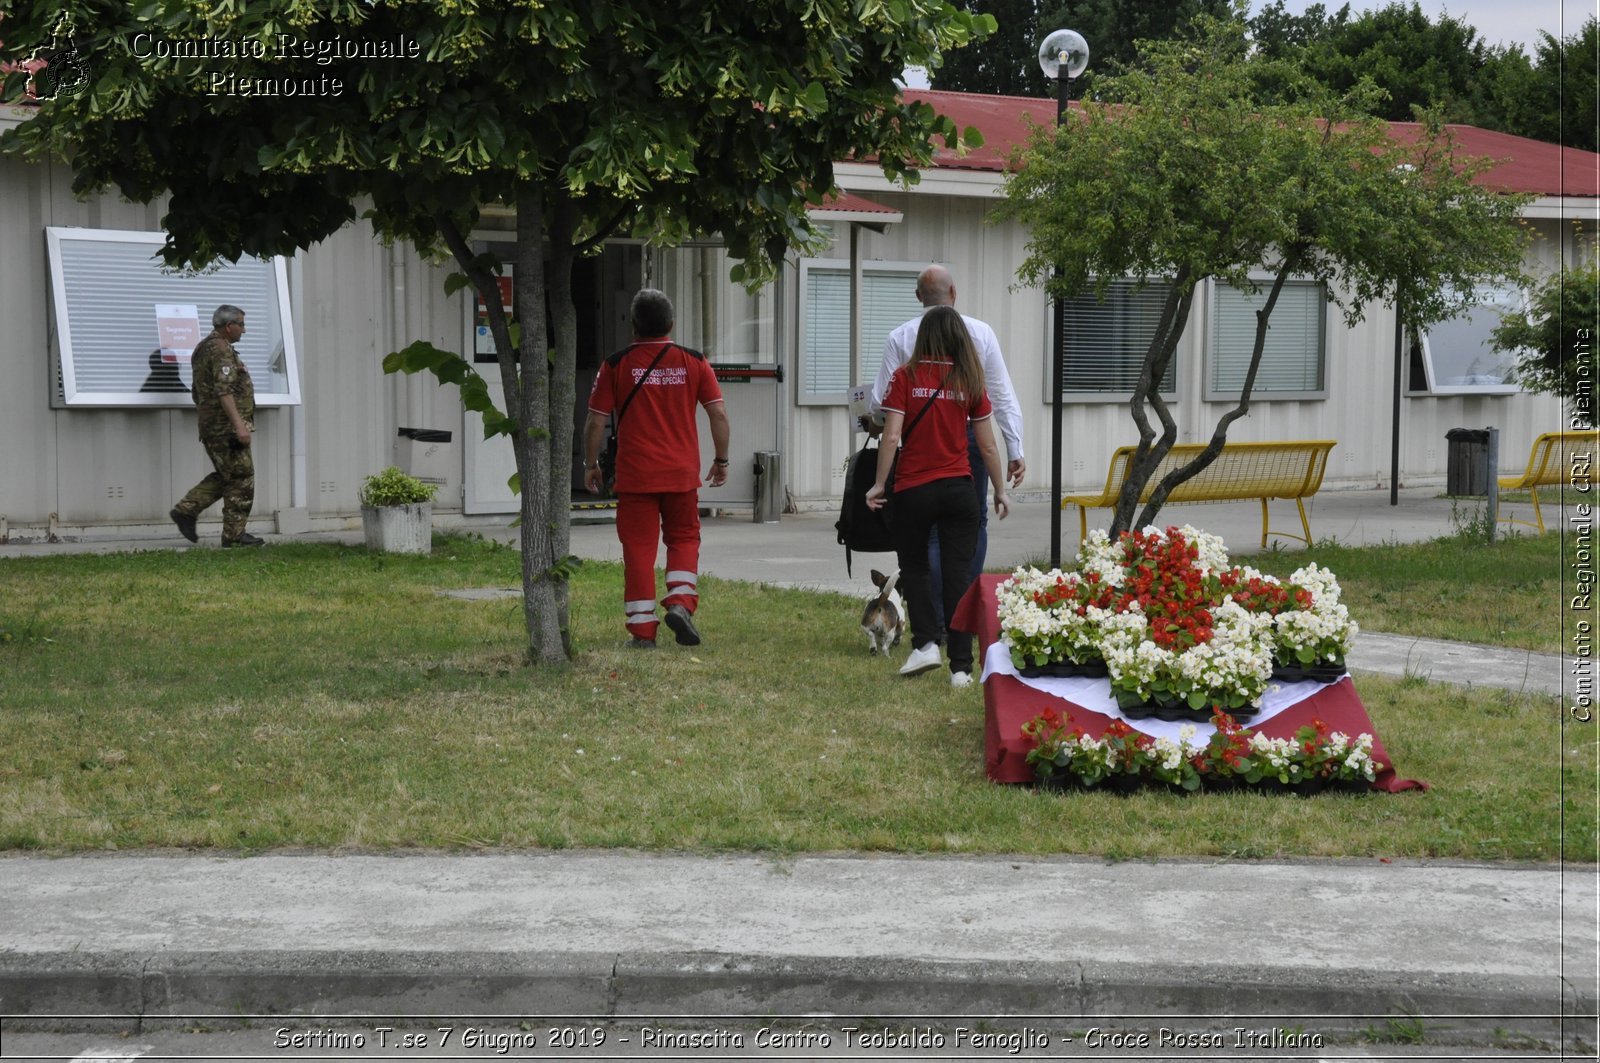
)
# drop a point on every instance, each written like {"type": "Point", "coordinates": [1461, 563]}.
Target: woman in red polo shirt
{"type": "Point", "coordinates": [926, 409]}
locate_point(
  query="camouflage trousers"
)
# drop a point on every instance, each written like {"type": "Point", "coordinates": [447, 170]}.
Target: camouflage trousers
{"type": "Point", "coordinates": [234, 481]}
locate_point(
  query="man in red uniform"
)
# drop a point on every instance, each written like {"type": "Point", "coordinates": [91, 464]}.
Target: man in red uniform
{"type": "Point", "coordinates": [658, 464]}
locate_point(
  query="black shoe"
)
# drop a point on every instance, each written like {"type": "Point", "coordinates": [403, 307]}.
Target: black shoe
{"type": "Point", "coordinates": [185, 525]}
{"type": "Point", "coordinates": [641, 644]}
{"type": "Point", "coordinates": [246, 539]}
{"type": "Point", "coordinates": [682, 626]}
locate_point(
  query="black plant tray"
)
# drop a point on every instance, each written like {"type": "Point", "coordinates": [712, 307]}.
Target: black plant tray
{"type": "Point", "coordinates": [1297, 673]}
{"type": "Point", "coordinates": [1176, 711]}
{"type": "Point", "coordinates": [1063, 670]}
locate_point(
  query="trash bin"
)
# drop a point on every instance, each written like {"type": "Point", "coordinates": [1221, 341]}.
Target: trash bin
{"type": "Point", "coordinates": [1467, 461]}
{"type": "Point", "coordinates": [769, 487]}
{"type": "Point", "coordinates": [427, 454]}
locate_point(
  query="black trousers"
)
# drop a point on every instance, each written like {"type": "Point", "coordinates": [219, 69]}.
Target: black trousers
{"type": "Point", "coordinates": [950, 506]}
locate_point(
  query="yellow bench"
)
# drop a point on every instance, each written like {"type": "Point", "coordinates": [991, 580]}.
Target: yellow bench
{"type": "Point", "coordinates": [1557, 458]}
{"type": "Point", "coordinates": [1286, 469]}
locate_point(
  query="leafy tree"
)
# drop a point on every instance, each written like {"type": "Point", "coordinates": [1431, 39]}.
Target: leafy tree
{"type": "Point", "coordinates": [1555, 338]}
{"type": "Point", "coordinates": [1563, 89]}
{"type": "Point", "coordinates": [657, 119]}
{"type": "Point", "coordinates": [1179, 172]}
{"type": "Point", "coordinates": [1008, 63]}
{"type": "Point", "coordinates": [1441, 64]}
{"type": "Point", "coordinates": [1416, 61]}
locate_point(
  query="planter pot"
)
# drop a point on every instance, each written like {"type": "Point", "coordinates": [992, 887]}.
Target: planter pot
{"type": "Point", "coordinates": [1060, 783]}
{"type": "Point", "coordinates": [1296, 673]}
{"type": "Point", "coordinates": [404, 529]}
{"type": "Point", "coordinates": [1176, 711]}
{"type": "Point", "coordinates": [1062, 669]}
{"type": "Point", "coordinates": [1123, 783]}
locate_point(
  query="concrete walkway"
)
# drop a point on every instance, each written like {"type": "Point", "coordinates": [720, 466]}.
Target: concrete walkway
{"type": "Point", "coordinates": [1324, 945]}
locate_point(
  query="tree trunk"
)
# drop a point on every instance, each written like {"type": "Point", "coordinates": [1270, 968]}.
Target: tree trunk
{"type": "Point", "coordinates": [563, 397]}
{"type": "Point", "coordinates": [1174, 319]}
{"type": "Point", "coordinates": [531, 442]}
{"type": "Point", "coordinates": [1219, 434]}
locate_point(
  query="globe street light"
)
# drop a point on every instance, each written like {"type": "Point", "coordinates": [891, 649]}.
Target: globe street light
{"type": "Point", "coordinates": [1064, 55]}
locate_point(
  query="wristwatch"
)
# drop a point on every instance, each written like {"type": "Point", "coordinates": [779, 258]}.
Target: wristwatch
{"type": "Point", "coordinates": [719, 461]}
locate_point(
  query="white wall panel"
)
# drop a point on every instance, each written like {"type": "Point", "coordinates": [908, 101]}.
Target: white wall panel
{"type": "Point", "coordinates": [130, 465]}
{"type": "Point", "coordinates": [1357, 412]}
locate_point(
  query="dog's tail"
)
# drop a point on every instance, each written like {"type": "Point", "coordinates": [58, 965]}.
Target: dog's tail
{"type": "Point", "coordinates": [885, 588]}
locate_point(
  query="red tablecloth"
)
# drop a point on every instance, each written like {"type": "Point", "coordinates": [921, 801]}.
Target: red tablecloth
{"type": "Point", "coordinates": [1009, 703]}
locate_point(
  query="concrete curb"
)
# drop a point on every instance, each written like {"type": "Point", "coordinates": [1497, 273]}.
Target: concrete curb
{"type": "Point", "coordinates": [169, 989]}
{"type": "Point", "coordinates": [613, 935]}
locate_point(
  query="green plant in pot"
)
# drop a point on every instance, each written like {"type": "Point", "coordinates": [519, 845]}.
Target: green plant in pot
{"type": "Point", "coordinates": [397, 512]}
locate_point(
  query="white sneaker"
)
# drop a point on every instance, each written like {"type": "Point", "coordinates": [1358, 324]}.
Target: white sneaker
{"type": "Point", "coordinates": [960, 680]}
{"type": "Point", "coordinates": [924, 660]}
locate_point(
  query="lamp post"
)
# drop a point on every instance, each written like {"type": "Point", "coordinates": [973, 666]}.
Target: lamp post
{"type": "Point", "coordinates": [1063, 56]}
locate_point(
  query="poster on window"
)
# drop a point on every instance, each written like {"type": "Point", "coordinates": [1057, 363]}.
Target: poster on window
{"type": "Point", "coordinates": [177, 332]}
{"type": "Point", "coordinates": [483, 340]}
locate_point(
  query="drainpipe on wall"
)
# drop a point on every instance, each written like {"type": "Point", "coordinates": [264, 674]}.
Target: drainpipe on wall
{"type": "Point", "coordinates": [855, 335]}
{"type": "Point", "coordinates": [297, 518]}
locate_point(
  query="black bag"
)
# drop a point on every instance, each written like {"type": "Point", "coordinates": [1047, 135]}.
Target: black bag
{"type": "Point", "coordinates": [608, 462]}
{"type": "Point", "coordinates": [861, 529]}
{"type": "Point", "coordinates": [864, 530]}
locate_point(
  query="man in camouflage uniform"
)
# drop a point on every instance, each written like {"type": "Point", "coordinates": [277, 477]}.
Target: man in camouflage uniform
{"type": "Point", "coordinates": [227, 403]}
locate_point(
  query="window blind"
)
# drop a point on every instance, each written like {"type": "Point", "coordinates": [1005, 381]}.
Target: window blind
{"type": "Point", "coordinates": [1291, 359]}
{"type": "Point", "coordinates": [109, 289]}
{"type": "Point", "coordinates": [888, 299]}
{"type": "Point", "coordinates": [1106, 342]}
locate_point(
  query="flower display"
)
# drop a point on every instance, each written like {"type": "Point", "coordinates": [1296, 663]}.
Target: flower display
{"type": "Point", "coordinates": [1313, 758]}
{"type": "Point", "coordinates": [1175, 624]}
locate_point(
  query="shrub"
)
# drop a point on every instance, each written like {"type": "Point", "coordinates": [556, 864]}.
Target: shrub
{"type": "Point", "coordinates": [391, 487]}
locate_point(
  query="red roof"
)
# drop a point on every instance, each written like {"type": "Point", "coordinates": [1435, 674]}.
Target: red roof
{"type": "Point", "coordinates": [849, 202]}
{"type": "Point", "coordinates": [1525, 165]}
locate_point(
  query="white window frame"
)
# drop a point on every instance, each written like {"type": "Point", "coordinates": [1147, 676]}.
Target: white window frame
{"type": "Point", "coordinates": [204, 289]}
{"type": "Point", "coordinates": [1500, 298]}
{"type": "Point", "coordinates": [1258, 393]}
{"type": "Point", "coordinates": [871, 345]}
{"type": "Point", "coordinates": [1115, 397]}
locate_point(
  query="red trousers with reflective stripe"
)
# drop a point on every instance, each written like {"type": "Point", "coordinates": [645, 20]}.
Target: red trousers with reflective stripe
{"type": "Point", "coordinates": [644, 522]}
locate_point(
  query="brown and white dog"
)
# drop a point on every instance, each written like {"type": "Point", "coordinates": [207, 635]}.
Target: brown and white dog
{"type": "Point", "coordinates": [884, 615]}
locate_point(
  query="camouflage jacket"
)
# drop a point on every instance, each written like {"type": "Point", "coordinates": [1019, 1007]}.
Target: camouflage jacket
{"type": "Point", "coordinates": [218, 372]}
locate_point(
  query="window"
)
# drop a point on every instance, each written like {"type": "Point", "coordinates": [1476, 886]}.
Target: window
{"type": "Point", "coordinates": [1292, 361]}
{"type": "Point", "coordinates": [1106, 342]}
{"type": "Point", "coordinates": [125, 323]}
{"type": "Point", "coordinates": [888, 299]}
{"type": "Point", "coordinates": [1455, 357]}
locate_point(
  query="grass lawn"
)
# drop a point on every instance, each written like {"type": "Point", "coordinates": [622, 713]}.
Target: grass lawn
{"type": "Point", "coordinates": [308, 695]}
{"type": "Point", "coordinates": [1508, 593]}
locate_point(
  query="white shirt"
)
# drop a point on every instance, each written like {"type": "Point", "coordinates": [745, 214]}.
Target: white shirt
{"type": "Point", "coordinates": [1007, 413]}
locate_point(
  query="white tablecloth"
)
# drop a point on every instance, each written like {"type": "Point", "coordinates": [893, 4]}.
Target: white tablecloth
{"type": "Point", "coordinates": [1094, 694]}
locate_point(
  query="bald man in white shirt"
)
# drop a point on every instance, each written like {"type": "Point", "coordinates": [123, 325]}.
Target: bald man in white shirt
{"type": "Point", "coordinates": [936, 287]}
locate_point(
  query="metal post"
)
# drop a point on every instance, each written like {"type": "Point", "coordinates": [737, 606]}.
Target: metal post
{"type": "Point", "coordinates": [1058, 368]}
{"type": "Point", "coordinates": [1394, 435]}
{"type": "Point", "coordinates": [1494, 481]}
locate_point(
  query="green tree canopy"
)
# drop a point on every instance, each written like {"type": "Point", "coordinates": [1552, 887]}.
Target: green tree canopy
{"type": "Point", "coordinates": [656, 119]}
{"type": "Point", "coordinates": [1563, 92]}
{"type": "Point", "coordinates": [1554, 339]}
{"type": "Point", "coordinates": [1008, 62]}
{"type": "Point", "coordinates": [1179, 171]}
{"type": "Point", "coordinates": [1441, 64]}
